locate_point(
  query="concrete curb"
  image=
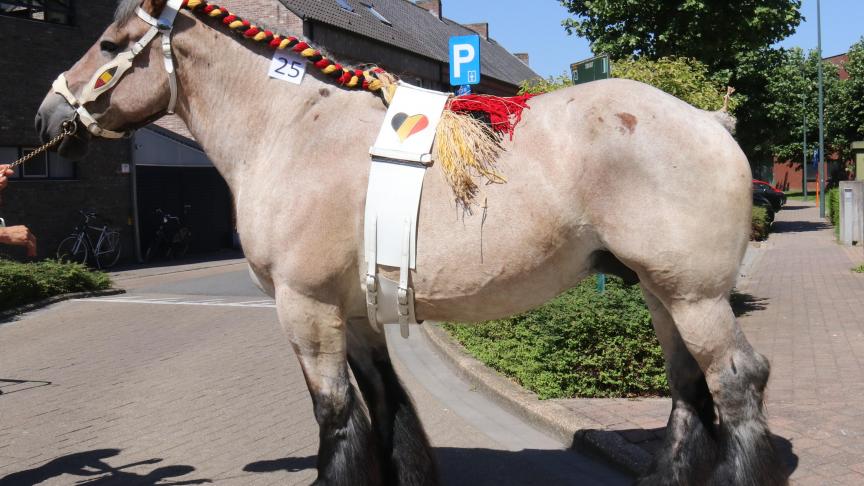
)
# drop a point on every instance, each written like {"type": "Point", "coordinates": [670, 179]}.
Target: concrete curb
{"type": "Point", "coordinates": [548, 416]}
{"type": "Point", "coordinates": [10, 314]}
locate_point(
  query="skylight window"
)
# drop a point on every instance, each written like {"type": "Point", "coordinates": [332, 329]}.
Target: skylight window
{"type": "Point", "coordinates": [376, 13]}
{"type": "Point", "coordinates": [345, 5]}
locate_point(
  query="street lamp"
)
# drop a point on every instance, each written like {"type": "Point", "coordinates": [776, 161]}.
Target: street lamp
{"type": "Point", "coordinates": [821, 176]}
{"type": "Point", "coordinates": [804, 125]}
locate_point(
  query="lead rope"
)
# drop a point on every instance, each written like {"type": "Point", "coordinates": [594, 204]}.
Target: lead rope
{"type": "Point", "coordinates": [69, 129]}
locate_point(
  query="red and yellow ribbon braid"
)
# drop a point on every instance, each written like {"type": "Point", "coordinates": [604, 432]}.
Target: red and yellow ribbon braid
{"type": "Point", "coordinates": [350, 78]}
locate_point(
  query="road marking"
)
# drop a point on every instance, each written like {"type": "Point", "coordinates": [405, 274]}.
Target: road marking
{"type": "Point", "coordinates": [264, 304]}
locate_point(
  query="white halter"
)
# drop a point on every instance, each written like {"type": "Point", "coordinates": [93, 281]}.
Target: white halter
{"type": "Point", "coordinates": [110, 74]}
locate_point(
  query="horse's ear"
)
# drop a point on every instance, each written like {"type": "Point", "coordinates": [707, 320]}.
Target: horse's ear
{"type": "Point", "coordinates": [153, 7]}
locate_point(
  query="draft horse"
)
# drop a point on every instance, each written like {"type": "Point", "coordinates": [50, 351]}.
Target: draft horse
{"type": "Point", "coordinates": [600, 178]}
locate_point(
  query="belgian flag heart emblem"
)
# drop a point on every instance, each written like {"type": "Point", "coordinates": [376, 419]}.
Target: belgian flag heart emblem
{"type": "Point", "coordinates": [405, 126]}
{"type": "Point", "coordinates": [105, 78]}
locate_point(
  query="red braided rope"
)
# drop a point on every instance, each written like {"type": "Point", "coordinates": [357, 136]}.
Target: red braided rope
{"type": "Point", "coordinates": [504, 113]}
{"type": "Point", "coordinates": [358, 79]}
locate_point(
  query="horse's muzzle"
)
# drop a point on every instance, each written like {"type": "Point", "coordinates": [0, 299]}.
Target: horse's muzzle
{"type": "Point", "coordinates": [49, 123]}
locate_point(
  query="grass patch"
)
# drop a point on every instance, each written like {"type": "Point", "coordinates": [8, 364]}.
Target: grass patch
{"type": "Point", "coordinates": [23, 283]}
{"type": "Point", "coordinates": [859, 269]}
{"type": "Point", "coordinates": [581, 344]}
{"type": "Point", "coordinates": [799, 196]}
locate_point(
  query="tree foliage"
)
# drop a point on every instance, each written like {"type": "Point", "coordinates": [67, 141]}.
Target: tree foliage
{"type": "Point", "coordinates": [792, 93]}
{"type": "Point", "coordinates": [853, 93]}
{"type": "Point", "coordinates": [713, 32]}
{"type": "Point", "coordinates": [684, 78]}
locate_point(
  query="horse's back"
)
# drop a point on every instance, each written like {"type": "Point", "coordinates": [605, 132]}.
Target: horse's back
{"type": "Point", "coordinates": [612, 166]}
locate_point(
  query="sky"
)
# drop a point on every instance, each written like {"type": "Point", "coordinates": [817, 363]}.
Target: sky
{"type": "Point", "coordinates": [537, 30]}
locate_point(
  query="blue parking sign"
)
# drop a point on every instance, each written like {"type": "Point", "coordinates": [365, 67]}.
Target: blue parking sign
{"type": "Point", "coordinates": [464, 60]}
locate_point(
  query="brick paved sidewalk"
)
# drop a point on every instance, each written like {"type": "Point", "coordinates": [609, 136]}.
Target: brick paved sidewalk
{"type": "Point", "coordinates": [803, 307]}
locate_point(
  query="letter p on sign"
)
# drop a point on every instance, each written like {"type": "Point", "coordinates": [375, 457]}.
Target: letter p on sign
{"type": "Point", "coordinates": [465, 60]}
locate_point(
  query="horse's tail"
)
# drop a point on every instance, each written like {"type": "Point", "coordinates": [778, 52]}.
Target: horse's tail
{"type": "Point", "coordinates": [722, 117]}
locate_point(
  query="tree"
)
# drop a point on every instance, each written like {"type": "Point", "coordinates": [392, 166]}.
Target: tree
{"type": "Point", "coordinates": [713, 32]}
{"type": "Point", "coordinates": [685, 78]}
{"type": "Point", "coordinates": [733, 39]}
{"type": "Point", "coordinates": [792, 92]}
{"type": "Point", "coordinates": [853, 93]}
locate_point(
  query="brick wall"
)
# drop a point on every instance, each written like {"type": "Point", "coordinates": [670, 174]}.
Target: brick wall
{"type": "Point", "coordinates": [34, 54]}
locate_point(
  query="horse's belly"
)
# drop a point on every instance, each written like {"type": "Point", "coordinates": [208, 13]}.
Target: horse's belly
{"type": "Point", "coordinates": [507, 262]}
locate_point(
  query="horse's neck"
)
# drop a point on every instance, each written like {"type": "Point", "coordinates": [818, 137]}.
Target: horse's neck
{"type": "Point", "coordinates": [235, 111]}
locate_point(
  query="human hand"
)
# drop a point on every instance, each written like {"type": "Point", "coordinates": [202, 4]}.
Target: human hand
{"type": "Point", "coordinates": [5, 173]}
{"type": "Point", "coordinates": [19, 236]}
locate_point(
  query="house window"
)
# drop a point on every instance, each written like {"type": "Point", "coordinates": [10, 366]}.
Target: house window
{"type": "Point", "coordinates": [53, 11]}
{"type": "Point", "coordinates": [345, 5]}
{"type": "Point", "coordinates": [43, 166]}
{"type": "Point", "coordinates": [35, 168]}
{"type": "Point", "coordinates": [376, 13]}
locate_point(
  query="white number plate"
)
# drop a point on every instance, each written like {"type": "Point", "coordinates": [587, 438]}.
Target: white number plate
{"type": "Point", "coordinates": [288, 66]}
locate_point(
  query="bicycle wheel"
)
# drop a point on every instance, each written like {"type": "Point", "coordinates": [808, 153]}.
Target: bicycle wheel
{"type": "Point", "coordinates": [108, 251]}
{"type": "Point", "coordinates": [72, 249]}
{"type": "Point", "coordinates": [153, 250]}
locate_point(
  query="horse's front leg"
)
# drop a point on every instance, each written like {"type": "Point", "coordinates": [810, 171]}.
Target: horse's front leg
{"type": "Point", "coordinates": [347, 451]}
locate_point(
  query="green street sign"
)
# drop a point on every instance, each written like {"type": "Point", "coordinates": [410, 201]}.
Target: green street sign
{"type": "Point", "coordinates": [590, 70]}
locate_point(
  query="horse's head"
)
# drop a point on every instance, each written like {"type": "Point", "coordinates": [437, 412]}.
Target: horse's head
{"type": "Point", "coordinates": [124, 81]}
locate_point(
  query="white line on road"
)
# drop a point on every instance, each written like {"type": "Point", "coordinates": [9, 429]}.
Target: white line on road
{"type": "Point", "coordinates": [202, 303]}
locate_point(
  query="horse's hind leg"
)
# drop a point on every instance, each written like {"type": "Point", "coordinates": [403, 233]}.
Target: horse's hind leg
{"type": "Point", "coordinates": [406, 456]}
{"type": "Point", "coordinates": [736, 376]}
{"type": "Point", "coordinates": [347, 448]}
{"type": "Point", "coordinates": [690, 450]}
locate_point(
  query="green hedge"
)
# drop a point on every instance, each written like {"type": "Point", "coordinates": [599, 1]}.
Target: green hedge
{"type": "Point", "coordinates": [760, 227]}
{"type": "Point", "coordinates": [23, 283]}
{"type": "Point", "coordinates": [581, 344]}
{"type": "Point", "coordinates": [834, 206]}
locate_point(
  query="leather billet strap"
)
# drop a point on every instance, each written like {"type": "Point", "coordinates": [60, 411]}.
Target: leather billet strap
{"type": "Point", "coordinates": [107, 76]}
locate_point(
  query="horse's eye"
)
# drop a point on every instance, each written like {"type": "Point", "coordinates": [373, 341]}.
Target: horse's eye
{"type": "Point", "coordinates": [109, 47]}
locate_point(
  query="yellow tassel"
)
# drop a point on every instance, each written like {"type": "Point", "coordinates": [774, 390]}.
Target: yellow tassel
{"type": "Point", "coordinates": [467, 149]}
{"type": "Point", "coordinates": [193, 4]}
{"type": "Point", "coordinates": [215, 12]}
{"type": "Point", "coordinates": [260, 36]}
{"type": "Point", "coordinates": [354, 81]}
{"type": "Point", "coordinates": [235, 25]}
{"type": "Point", "coordinates": [329, 69]}
{"type": "Point", "coordinates": [284, 43]}
{"type": "Point", "coordinates": [308, 52]}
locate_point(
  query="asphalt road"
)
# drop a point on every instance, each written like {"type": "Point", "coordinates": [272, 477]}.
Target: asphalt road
{"type": "Point", "coordinates": [188, 379]}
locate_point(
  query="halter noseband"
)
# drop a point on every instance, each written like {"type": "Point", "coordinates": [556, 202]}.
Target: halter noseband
{"type": "Point", "coordinates": [110, 73]}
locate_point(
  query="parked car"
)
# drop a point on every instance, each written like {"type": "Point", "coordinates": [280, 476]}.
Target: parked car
{"type": "Point", "coordinates": [773, 192]}
{"type": "Point", "coordinates": [775, 196]}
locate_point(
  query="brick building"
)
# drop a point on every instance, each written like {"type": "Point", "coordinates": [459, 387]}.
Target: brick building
{"type": "Point", "coordinates": [162, 166]}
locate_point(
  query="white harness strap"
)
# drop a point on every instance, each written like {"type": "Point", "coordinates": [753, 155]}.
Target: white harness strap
{"type": "Point", "coordinates": [110, 73]}
{"type": "Point", "coordinates": [399, 159]}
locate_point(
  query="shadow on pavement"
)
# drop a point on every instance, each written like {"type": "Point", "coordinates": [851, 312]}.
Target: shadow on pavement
{"type": "Point", "coordinates": [92, 465]}
{"type": "Point", "coordinates": [795, 208]}
{"type": "Point", "coordinates": [744, 304]}
{"type": "Point", "coordinates": [798, 226]}
{"type": "Point", "coordinates": [651, 441]}
{"type": "Point", "coordinates": [490, 467]}
{"type": "Point", "coordinates": [9, 386]}
{"type": "Point", "coordinates": [290, 464]}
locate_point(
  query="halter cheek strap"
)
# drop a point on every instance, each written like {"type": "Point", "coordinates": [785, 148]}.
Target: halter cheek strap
{"type": "Point", "coordinates": [110, 73]}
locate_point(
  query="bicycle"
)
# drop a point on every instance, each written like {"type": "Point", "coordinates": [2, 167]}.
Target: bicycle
{"type": "Point", "coordinates": [171, 237]}
{"type": "Point", "coordinates": [78, 247]}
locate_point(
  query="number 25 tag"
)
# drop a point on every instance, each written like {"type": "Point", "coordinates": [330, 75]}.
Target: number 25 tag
{"type": "Point", "coordinates": [287, 66]}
